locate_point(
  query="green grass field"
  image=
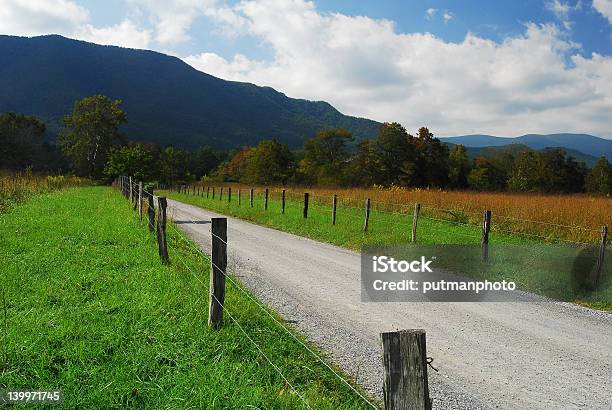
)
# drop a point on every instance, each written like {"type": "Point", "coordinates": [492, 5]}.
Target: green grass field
{"type": "Point", "coordinates": [87, 307]}
{"type": "Point", "coordinates": [537, 266]}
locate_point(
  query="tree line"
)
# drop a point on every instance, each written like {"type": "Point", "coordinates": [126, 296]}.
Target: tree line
{"type": "Point", "coordinates": [92, 145]}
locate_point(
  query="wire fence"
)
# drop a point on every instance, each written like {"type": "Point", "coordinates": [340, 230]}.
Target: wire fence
{"type": "Point", "coordinates": [390, 215]}
{"type": "Point", "coordinates": [137, 196]}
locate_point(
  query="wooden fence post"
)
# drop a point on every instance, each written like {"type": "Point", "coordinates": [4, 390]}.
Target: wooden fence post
{"type": "Point", "coordinates": [415, 221]}
{"type": "Point", "coordinates": [207, 192]}
{"type": "Point", "coordinates": [251, 197]}
{"type": "Point", "coordinates": [366, 220]}
{"type": "Point", "coordinates": [213, 197]}
{"type": "Point", "coordinates": [306, 195]}
{"type": "Point", "coordinates": [229, 194]}
{"type": "Point", "coordinates": [334, 206]}
{"type": "Point", "coordinates": [140, 202]}
{"type": "Point", "coordinates": [217, 276]}
{"type": "Point", "coordinates": [221, 194]}
{"type": "Point", "coordinates": [161, 229]}
{"type": "Point", "coordinates": [238, 196]}
{"type": "Point", "coordinates": [405, 384]}
{"type": "Point", "coordinates": [600, 256]}
{"type": "Point", "coordinates": [486, 228]}
{"type": "Point", "coordinates": [266, 203]}
{"type": "Point", "coordinates": [151, 210]}
{"type": "Point", "coordinates": [283, 202]}
{"type": "Point", "coordinates": [135, 197]}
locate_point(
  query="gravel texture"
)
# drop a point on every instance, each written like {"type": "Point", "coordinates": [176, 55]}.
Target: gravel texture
{"type": "Point", "coordinates": [542, 354]}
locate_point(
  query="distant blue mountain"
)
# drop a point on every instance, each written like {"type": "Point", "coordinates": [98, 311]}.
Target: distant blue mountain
{"type": "Point", "coordinates": [584, 143]}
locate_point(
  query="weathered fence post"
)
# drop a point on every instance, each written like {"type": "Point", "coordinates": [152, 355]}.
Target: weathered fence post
{"type": "Point", "coordinates": [283, 202]}
{"type": "Point", "coordinates": [405, 384]}
{"type": "Point", "coordinates": [140, 202]}
{"type": "Point", "coordinates": [207, 192]}
{"type": "Point", "coordinates": [221, 194]}
{"type": "Point", "coordinates": [213, 197]}
{"type": "Point", "coordinates": [217, 276]}
{"type": "Point", "coordinates": [151, 210]}
{"type": "Point", "coordinates": [486, 228]}
{"type": "Point", "coordinates": [366, 219]}
{"type": "Point", "coordinates": [306, 195]}
{"type": "Point", "coordinates": [229, 194]}
{"type": "Point", "coordinates": [251, 197]}
{"type": "Point", "coordinates": [238, 196]}
{"type": "Point", "coordinates": [334, 206]}
{"type": "Point", "coordinates": [266, 203]}
{"type": "Point", "coordinates": [600, 256]}
{"type": "Point", "coordinates": [415, 221]}
{"type": "Point", "coordinates": [161, 229]}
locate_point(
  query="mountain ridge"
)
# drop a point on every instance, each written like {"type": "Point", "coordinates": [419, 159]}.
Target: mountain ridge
{"type": "Point", "coordinates": [166, 100]}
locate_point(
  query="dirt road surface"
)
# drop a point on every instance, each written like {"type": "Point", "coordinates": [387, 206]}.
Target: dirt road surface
{"type": "Point", "coordinates": [489, 355]}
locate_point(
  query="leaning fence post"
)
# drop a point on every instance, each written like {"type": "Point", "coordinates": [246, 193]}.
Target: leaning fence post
{"type": "Point", "coordinates": [306, 195]}
{"type": "Point", "coordinates": [486, 227]}
{"type": "Point", "coordinates": [266, 204]}
{"type": "Point", "coordinates": [151, 210]}
{"type": "Point", "coordinates": [140, 202]}
{"type": "Point", "coordinates": [283, 202]}
{"type": "Point", "coordinates": [334, 206]}
{"type": "Point", "coordinates": [405, 384]}
{"type": "Point", "coordinates": [415, 221]}
{"type": "Point", "coordinates": [600, 257]}
{"type": "Point", "coordinates": [217, 277]}
{"type": "Point", "coordinates": [366, 220]}
{"type": "Point", "coordinates": [251, 197]}
{"type": "Point", "coordinates": [161, 229]}
{"type": "Point", "coordinates": [229, 194]}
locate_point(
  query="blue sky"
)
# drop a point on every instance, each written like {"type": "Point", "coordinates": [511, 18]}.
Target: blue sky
{"type": "Point", "coordinates": [500, 67]}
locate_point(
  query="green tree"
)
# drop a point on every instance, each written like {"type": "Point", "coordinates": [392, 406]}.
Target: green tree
{"type": "Point", "coordinates": [459, 166]}
{"type": "Point", "coordinates": [90, 132]}
{"type": "Point", "coordinates": [137, 160]}
{"type": "Point", "coordinates": [20, 140]}
{"type": "Point", "coordinates": [272, 162]}
{"type": "Point", "coordinates": [172, 165]}
{"type": "Point", "coordinates": [429, 165]}
{"type": "Point", "coordinates": [599, 179]}
{"type": "Point", "coordinates": [486, 175]}
{"type": "Point", "coordinates": [365, 164]}
{"type": "Point", "coordinates": [326, 157]}
{"type": "Point", "coordinates": [204, 160]}
{"type": "Point", "coordinates": [395, 151]}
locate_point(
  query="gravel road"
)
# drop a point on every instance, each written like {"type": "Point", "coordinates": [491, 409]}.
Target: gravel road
{"type": "Point", "coordinates": [489, 355]}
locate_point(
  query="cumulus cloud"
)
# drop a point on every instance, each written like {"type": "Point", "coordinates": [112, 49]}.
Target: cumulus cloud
{"type": "Point", "coordinates": [448, 16]}
{"type": "Point", "coordinates": [37, 17]}
{"type": "Point", "coordinates": [604, 7]}
{"type": "Point", "coordinates": [365, 67]}
{"type": "Point", "coordinates": [172, 19]}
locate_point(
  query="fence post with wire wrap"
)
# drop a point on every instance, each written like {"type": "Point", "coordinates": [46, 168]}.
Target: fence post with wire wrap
{"type": "Point", "coordinates": [217, 276]}
{"type": "Point", "coordinates": [486, 228]}
{"type": "Point", "coordinates": [415, 220]}
{"type": "Point", "coordinates": [405, 384]}
{"type": "Point", "coordinates": [162, 243]}
{"type": "Point", "coordinates": [151, 208]}
{"type": "Point", "coordinates": [140, 202]}
{"type": "Point", "coordinates": [600, 256]}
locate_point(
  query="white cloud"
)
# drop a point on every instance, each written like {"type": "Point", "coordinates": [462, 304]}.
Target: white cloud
{"type": "Point", "coordinates": [365, 68]}
{"type": "Point", "coordinates": [604, 7]}
{"type": "Point", "coordinates": [558, 8]}
{"type": "Point", "coordinates": [430, 13]}
{"type": "Point", "coordinates": [124, 34]}
{"type": "Point", "coordinates": [448, 16]}
{"type": "Point", "coordinates": [37, 17]}
{"type": "Point", "coordinates": [172, 19]}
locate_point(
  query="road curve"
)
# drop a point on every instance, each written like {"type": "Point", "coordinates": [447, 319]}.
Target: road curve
{"type": "Point", "coordinates": [489, 355]}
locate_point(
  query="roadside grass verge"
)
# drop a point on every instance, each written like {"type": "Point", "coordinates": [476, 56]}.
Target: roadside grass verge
{"type": "Point", "coordinates": [88, 308]}
{"type": "Point", "coordinates": [16, 188]}
{"type": "Point", "coordinates": [534, 263]}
